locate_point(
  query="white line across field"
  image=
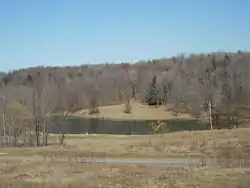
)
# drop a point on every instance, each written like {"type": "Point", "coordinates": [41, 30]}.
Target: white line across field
{"type": "Point", "coordinates": [168, 162]}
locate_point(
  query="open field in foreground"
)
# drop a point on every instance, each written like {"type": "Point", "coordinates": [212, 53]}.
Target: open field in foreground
{"type": "Point", "coordinates": [26, 167]}
{"type": "Point", "coordinates": [17, 174]}
{"type": "Point", "coordinates": [219, 143]}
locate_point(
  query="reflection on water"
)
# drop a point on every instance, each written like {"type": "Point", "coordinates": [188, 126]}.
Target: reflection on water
{"type": "Point", "coordinates": [75, 125]}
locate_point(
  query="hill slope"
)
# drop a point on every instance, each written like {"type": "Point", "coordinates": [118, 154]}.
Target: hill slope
{"type": "Point", "coordinates": [190, 81]}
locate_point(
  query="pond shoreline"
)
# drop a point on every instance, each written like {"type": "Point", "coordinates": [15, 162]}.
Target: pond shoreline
{"type": "Point", "coordinates": [79, 125]}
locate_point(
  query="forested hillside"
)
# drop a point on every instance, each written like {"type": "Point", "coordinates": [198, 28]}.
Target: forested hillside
{"type": "Point", "coordinates": [187, 83]}
{"type": "Point", "coordinates": [222, 78]}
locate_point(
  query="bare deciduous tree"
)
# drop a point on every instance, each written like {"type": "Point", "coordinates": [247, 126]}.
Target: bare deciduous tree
{"type": "Point", "coordinates": [127, 106]}
{"type": "Point", "coordinates": [94, 100]}
{"type": "Point", "coordinates": [50, 99]}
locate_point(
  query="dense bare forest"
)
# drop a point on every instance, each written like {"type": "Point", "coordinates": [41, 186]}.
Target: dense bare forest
{"type": "Point", "coordinates": [29, 96]}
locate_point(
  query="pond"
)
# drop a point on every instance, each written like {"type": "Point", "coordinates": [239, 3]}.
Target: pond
{"type": "Point", "coordinates": [74, 125]}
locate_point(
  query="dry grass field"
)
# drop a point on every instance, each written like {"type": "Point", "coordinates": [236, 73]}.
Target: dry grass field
{"type": "Point", "coordinates": [139, 112]}
{"type": "Point", "coordinates": [229, 143]}
{"type": "Point", "coordinates": [27, 167]}
{"type": "Point", "coordinates": [20, 174]}
{"type": "Point", "coordinates": [56, 174]}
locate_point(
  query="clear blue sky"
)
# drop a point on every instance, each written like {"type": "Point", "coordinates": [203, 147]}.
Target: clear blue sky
{"type": "Point", "coordinates": [74, 32]}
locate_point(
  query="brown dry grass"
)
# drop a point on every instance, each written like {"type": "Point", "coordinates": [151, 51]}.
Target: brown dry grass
{"type": "Point", "coordinates": [17, 174]}
{"type": "Point", "coordinates": [30, 170]}
{"type": "Point", "coordinates": [229, 143]}
{"type": "Point", "coordinates": [139, 112]}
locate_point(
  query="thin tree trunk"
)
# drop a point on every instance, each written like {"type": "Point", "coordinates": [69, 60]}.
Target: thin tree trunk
{"type": "Point", "coordinates": [15, 135]}
{"type": "Point", "coordinates": [4, 129]}
{"type": "Point", "coordinates": [30, 138]}
{"type": "Point", "coordinates": [46, 138]}
{"type": "Point", "coordinates": [61, 138]}
{"type": "Point", "coordinates": [37, 135]}
{"type": "Point", "coordinates": [9, 136]}
{"type": "Point", "coordinates": [210, 115]}
{"type": "Point", "coordinates": [44, 132]}
{"type": "Point", "coordinates": [36, 122]}
{"type": "Point", "coordinates": [62, 135]}
{"type": "Point", "coordinates": [4, 124]}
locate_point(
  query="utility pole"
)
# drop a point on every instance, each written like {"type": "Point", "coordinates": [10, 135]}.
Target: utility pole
{"type": "Point", "coordinates": [210, 115]}
{"type": "Point", "coordinates": [211, 122]}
